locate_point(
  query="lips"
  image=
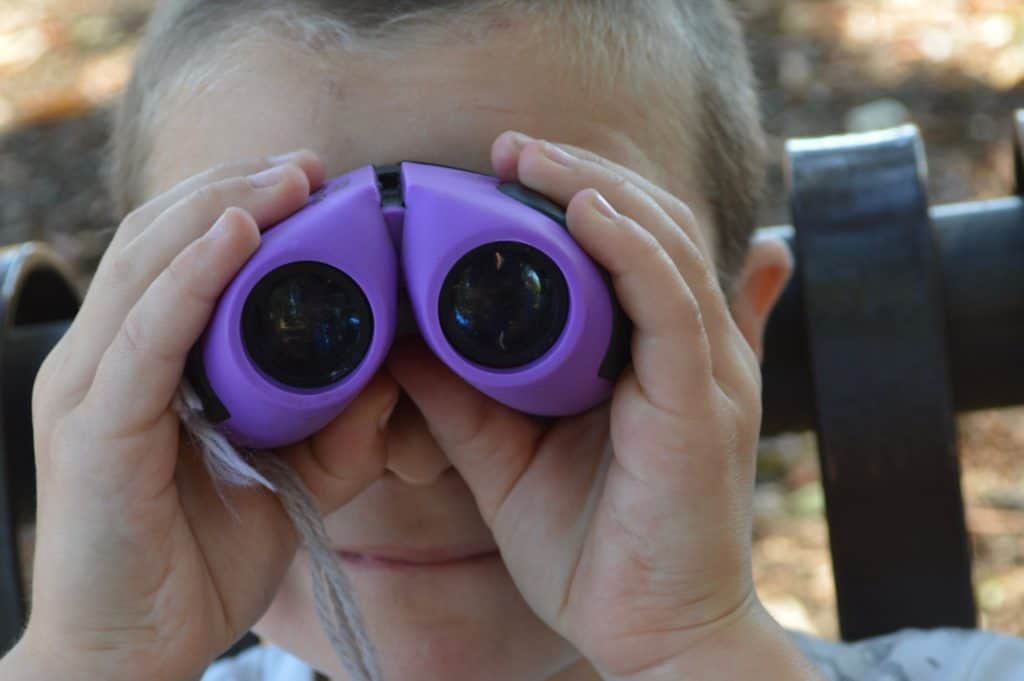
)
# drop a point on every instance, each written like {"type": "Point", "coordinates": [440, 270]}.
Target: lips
{"type": "Point", "coordinates": [397, 556]}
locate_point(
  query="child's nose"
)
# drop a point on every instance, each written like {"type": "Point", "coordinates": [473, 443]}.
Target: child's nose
{"type": "Point", "coordinates": [412, 453]}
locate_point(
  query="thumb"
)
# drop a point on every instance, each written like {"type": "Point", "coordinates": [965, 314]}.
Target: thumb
{"type": "Point", "coordinates": [349, 453]}
{"type": "Point", "coordinates": [489, 444]}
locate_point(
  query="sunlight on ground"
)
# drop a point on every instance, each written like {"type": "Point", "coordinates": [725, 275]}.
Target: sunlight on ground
{"type": "Point", "coordinates": [982, 39]}
{"type": "Point", "coordinates": [57, 62]}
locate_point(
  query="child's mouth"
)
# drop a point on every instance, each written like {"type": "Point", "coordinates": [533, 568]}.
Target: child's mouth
{"type": "Point", "coordinates": [392, 557]}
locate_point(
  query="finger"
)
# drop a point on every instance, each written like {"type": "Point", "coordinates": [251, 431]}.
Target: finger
{"type": "Point", "coordinates": [508, 147]}
{"type": "Point", "coordinates": [268, 196]}
{"type": "Point", "coordinates": [671, 352]}
{"type": "Point", "coordinates": [350, 452]}
{"type": "Point", "coordinates": [116, 289]}
{"type": "Point", "coordinates": [555, 173]}
{"type": "Point", "coordinates": [140, 370]}
{"type": "Point", "coordinates": [550, 170]}
{"type": "Point", "coordinates": [489, 444]}
{"type": "Point", "coordinates": [143, 216]}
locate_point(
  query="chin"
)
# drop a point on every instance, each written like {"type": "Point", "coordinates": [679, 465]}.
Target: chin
{"type": "Point", "coordinates": [425, 629]}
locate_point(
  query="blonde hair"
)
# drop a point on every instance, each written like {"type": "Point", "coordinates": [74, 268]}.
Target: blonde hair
{"type": "Point", "coordinates": [686, 55]}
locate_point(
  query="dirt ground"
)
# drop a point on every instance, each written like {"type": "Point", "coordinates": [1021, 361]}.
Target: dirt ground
{"type": "Point", "coordinates": [953, 67]}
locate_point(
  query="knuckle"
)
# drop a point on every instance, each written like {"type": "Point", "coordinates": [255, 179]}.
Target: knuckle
{"type": "Point", "coordinates": [750, 355]}
{"type": "Point", "coordinates": [532, 158]}
{"type": "Point", "coordinates": [699, 256]}
{"type": "Point", "coordinates": [706, 281]}
{"type": "Point", "coordinates": [746, 397]}
{"type": "Point", "coordinates": [294, 176]}
{"type": "Point", "coordinates": [209, 196]}
{"type": "Point", "coordinates": [634, 192]}
{"type": "Point", "coordinates": [212, 199]}
{"type": "Point", "coordinates": [682, 211]}
{"type": "Point", "coordinates": [229, 171]}
{"type": "Point", "coordinates": [180, 267]}
{"type": "Point", "coordinates": [42, 379]}
{"type": "Point", "coordinates": [122, 269]}
{"type": "Point", "coordinates": [588, 156]}
{"type": "Point", "coordinates": [132, 333]}
{"type": "Point", "coordinates": [757, 398]}
{"type": "Point", "coordinates": [64, 436]}
{"type": "Point", "coordinates": [612, 173]}
{"type": "Point", "coordinates": [617, 179]}
{"type": "Point", "coordinates": [687, 306]}
{"type": "Point", "coordinates": [637, 194]}
{"type": "Point", "coordinates": [185, 271]}
{"type": "Point", "coordinates": [40, 413]}
{"type": "Point", "coordinates": [749, 413]}
{"type": "Point", "coordinates": [208, 202]}
{"type": "Point", "coordinates": [291, 170]}
{"type": "Point", "coordinates": [58, 383]}
{"type": "Point", "coordinates": [686, 251]}
{"type": "Point", "coordinates": [677, 208]}
{"type": "Point", "coordinates": [247, 166]}
{"type": "Point", "coordinates": [650, 249]}
{"type": "Point", "coordinates": [45, 368]}
{"type": "Point", "coordinates": [743, 390]}
{"type": "Point", "coordinates": [230, 168]}
{"type": "Point", "coordinates": [132, 222]}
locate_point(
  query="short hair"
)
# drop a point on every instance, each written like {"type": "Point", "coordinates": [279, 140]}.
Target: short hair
{"type": "Point", "coordinates": [686, 55]}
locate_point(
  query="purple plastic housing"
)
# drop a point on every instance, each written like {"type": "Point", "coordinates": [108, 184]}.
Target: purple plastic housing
{"type": "Point", "coordinates": [448, 213]}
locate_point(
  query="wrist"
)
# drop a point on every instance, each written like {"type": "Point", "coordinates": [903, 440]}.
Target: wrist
{"type": "Point", "coordinates": [23, 663]}
{"type": "Point", "coordinates": [751, 645]}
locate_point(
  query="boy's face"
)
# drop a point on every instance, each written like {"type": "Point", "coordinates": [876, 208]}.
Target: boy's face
{"type": "Point", "coordinates": [465, 621]}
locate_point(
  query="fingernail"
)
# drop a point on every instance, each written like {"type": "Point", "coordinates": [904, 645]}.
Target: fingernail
{"type": "Point", "coordinates": [386, 416]}
{"type": "Point", "coordinates": [281, 159]}
{"type": "Point", "coordinates": [604, 208]}
{"type": "Point", "coordinates": [220, 228]}
{"type": "Point", "coordinates": [519, 140]}
{"type": "Point", "coordinates": [557, 155]}
{"type": "Point", "coordinates": [267, 178]}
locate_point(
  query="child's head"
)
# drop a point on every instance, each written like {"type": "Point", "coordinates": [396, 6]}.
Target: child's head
{"type": "Point", "coordinates": [662, 86]}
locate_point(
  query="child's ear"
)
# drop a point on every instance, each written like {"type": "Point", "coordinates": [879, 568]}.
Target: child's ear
{"type": "Point", "coordinates": [765, 272]}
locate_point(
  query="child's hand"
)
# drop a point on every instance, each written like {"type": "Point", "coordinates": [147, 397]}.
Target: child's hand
{"type": "Point", "coordinates": [637, 549]}
{"type": "Point", "coordinates": [140, 570]}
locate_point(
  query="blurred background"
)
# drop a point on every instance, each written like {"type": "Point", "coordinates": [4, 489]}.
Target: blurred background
{"type": "Point", "coordinates": [953, 67]}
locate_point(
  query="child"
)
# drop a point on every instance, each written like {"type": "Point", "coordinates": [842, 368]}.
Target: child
{"type": "Point", "coordinates": [481, 544]}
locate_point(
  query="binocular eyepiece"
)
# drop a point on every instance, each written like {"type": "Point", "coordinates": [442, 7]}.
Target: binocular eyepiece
{"type": "Point", "coordinates": [499, 290]}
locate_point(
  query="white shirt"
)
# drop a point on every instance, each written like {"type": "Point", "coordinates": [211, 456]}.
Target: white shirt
{"type": "Point", "coordinates": [910, 655]}
{"type": "Point", "coordinates": [916, 655]}
{"type": "Point", "coordinates": [264, 662]}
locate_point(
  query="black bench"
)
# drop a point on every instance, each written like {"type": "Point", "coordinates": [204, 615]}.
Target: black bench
{"type": "Point", "coordinates": [899, 316]}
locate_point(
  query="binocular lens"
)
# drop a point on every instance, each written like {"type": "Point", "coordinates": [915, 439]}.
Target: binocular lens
{"type": "Point", "coordinates": [307, 324]}
{"type": "Point", "coordinates": [503, 305]}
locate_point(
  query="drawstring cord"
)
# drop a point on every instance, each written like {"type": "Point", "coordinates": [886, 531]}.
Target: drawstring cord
{"type": "Point", "coordinates": [332, 591]}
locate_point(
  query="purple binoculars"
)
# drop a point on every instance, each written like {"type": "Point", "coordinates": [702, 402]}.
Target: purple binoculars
{"type": "Point", "coordinates": [500, 292]}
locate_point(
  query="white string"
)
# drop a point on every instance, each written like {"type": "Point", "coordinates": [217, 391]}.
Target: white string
{"type": "Point", "coordinates": [335, 605]}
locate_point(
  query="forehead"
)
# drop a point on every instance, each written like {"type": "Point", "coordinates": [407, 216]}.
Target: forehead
{"type": "Point", "coordinates": [441, 104]}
